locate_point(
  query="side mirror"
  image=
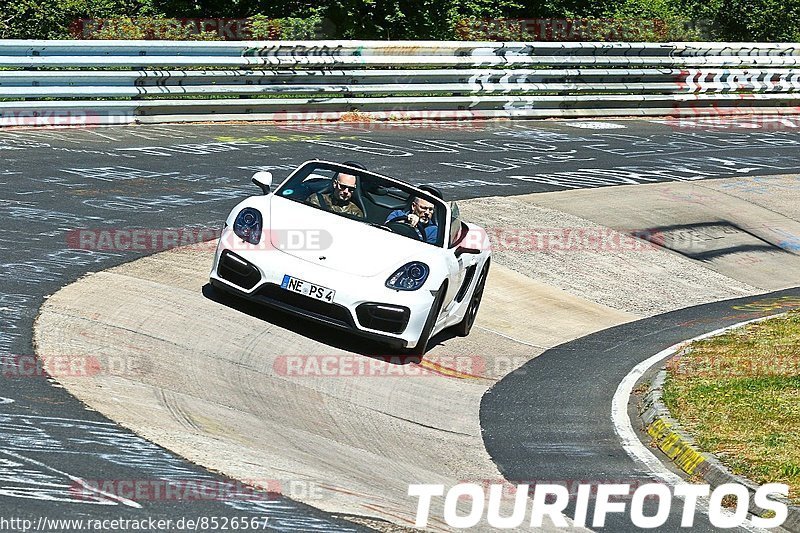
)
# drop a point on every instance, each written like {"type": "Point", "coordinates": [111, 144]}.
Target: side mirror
{"type": "Point", "coordinates": [263, 180]}
{"type": "Point", "coordinates": [464, 250]}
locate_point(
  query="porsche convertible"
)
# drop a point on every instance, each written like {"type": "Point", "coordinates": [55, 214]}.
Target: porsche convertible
{"type": "Point", "coordinates": [363, 264]}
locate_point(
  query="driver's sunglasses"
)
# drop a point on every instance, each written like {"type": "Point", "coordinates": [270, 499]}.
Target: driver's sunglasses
{"type": "Point", "coordinates": [351, 188]}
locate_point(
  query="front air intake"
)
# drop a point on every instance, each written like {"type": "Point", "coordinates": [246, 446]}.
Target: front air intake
{"type": "Point", "coordinates": [237, 270]}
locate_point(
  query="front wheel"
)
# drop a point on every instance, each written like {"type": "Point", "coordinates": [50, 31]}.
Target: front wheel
{"type": "Point", "coordinates": [463, 328]}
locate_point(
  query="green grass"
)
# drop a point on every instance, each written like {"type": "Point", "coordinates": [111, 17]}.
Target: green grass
{"type": "Point", "coordinates": [738, 394]}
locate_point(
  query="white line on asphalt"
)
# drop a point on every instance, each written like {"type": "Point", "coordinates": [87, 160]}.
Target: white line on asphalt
{"type": "Point", "coordinates": [74, 479]}
{"type": "Point", "coordinates": [59, 419]}
{"type": "Point", "coordinates": [509, 337]}
{"type": "Point", "coordinates": [624, 427]}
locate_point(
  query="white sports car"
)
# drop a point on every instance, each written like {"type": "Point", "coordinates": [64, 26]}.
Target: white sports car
{"type": "Point", "coordinates": [365, 263]}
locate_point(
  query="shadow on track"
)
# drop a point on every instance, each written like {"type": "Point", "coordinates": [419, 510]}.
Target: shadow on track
{"type": "Point", "coordinates": [333, 337]}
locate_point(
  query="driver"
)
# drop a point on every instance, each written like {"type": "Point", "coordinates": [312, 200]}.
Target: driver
{"type": "Point", "coordinates": [420, 217]}
{"type": "Point", "coordinates": [340, 198]}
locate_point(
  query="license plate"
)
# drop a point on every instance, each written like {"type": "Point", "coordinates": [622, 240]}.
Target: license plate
{"type": "Point", "coordinates": [306, 288]}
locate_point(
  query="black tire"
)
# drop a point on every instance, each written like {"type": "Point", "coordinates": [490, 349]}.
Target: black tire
{"type": "Point", "coordinates": [465, 326]}
{"type": "Point", "coordinates": [425, 336]}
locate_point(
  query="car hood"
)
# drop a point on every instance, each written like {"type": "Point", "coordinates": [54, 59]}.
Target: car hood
{"type": "Point", "coordinates": [337, 242]}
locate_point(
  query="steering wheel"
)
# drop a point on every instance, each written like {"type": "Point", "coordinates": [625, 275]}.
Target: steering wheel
{"type": "Point", "coordinates": [401, 226]}
{"type": "Point", "coordinates": [403, 219]}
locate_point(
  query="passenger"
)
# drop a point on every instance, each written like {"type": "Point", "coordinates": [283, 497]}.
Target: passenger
{"type": "Point", "coordinates": [340, 197]}
{"type": "Point", "coordinates": [420, 217]}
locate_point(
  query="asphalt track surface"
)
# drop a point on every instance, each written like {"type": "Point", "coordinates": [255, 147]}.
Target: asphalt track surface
{"type": "Point", "coordinates": [56, 181]}
{"type": "Point", "coordinates": [566, 404]}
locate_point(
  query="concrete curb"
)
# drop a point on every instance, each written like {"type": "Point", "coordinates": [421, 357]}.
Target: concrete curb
{"type": "Point", "coordinates": [682, 450]}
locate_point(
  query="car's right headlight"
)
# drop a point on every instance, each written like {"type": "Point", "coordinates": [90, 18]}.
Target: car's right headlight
{"type": "Point", "coordinates": [409, 277]}
{"type": "Point", "coordinates": [248, 224]}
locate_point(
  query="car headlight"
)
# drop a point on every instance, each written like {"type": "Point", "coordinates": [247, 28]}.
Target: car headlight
{"type": "Point", "coordinates": [409, 277]}
{"type": "Point", "coordinates": [247, 225]}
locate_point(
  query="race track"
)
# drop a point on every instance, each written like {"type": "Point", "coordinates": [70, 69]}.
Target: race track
{"type": "Point", "coordinates": [202, 374]}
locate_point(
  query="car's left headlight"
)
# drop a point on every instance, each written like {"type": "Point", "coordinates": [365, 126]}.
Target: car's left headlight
{"type": "Point", "coordinates": [409, 277]}
{"type": "Point", "coordinates": [247, 225]}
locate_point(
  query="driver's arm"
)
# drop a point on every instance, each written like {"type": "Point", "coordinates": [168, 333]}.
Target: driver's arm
{"type": "Point", "coordinates": [397, 213]}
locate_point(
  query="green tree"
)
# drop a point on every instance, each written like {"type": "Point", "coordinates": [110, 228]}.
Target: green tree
{"type": "Point", "coordinates": [655, 20]}
{"type": "Point", "coordinates": [758, 20]}
{"type": "Point", "coordinates": [735, 20]}
{"type": "Point", "coordinates": [52, 19]}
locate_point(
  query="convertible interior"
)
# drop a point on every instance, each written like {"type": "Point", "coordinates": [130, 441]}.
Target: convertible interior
{"type": "Point", "coordinates": [373, 195]}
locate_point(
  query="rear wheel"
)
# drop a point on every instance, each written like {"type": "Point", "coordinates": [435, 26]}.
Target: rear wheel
{"type": "Point", "coordinates": [463, 328]}
{"type": "Point", "coordinates": [425, 336]}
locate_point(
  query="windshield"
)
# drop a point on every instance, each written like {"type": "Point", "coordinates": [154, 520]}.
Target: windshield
{"type": "Point", "coordinates": [374, 200]}
{"type": "Point", "coordinates": [458, 229]}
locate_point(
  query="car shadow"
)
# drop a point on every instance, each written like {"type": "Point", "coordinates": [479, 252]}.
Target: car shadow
{"type": "Point", "coordinates": [334, 337]}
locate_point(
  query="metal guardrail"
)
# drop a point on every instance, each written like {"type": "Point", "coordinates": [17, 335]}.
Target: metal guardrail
{"type": "Point", "coordinates": [151, 81]}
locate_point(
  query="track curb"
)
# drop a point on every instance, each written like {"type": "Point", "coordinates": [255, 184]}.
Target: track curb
{"type": "Point", "coordinates": [681, 449]}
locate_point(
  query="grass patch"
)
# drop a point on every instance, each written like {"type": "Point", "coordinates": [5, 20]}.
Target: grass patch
{"type": "Point", "coordinates": [738, 394]}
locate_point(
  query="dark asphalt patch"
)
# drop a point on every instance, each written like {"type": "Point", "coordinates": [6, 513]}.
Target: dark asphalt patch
{"type": "Point", "coordinates": [707, 240]}
{"type": "Point", "coordinates": [550, 420]}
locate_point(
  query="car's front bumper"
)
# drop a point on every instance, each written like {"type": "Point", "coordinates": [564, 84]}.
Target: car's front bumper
{"type": "Point", "coordinates": [305, 312]}
{"type": "Point", "coordinates": [397, 317]}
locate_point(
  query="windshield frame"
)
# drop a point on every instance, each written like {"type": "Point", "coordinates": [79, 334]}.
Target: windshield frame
{"type": "Point", "coordinates": [443, 219]}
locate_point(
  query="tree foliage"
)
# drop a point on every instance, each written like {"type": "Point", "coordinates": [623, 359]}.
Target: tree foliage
{"type": "Point", "coordinates": [52, 19]}
{"type": "Point", "coordinates": [735, 20]}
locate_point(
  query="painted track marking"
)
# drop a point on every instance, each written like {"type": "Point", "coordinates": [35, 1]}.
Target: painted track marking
{"type": "Point", "coordinates": [74, 479]}
{"type": "Point", "coordinates": [624, 427]}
